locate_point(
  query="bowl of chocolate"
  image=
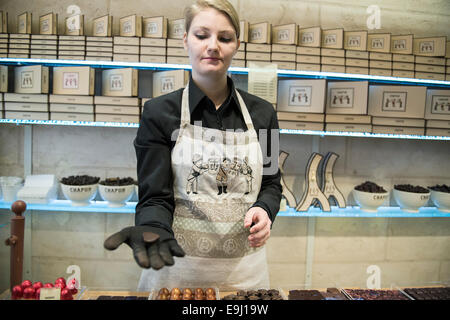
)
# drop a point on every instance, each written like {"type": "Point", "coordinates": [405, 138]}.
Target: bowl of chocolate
{"type": "Point", "coordinates": [440, 195]}
{"type": "Point", "coordinates": [369, 196]}
{"type": "Point", "coordinates": [80, 190]}
{"type": "Point", "coordinates": [116, 191]}
{"type": "Point", "coordinates": [410, 198]}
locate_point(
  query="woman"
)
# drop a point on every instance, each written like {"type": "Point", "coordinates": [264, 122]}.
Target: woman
{"type": "Point", "coordinates": [217, 238]}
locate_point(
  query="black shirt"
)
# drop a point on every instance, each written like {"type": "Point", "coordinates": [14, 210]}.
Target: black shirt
{"type": "Point", "coordinates": [154, 143]}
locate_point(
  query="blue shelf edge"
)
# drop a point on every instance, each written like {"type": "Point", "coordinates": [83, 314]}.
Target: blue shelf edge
{"type": "Point", "coordinates": [351, 211]}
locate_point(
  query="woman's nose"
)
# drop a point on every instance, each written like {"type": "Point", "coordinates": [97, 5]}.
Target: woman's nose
{"type": "Point", "coordinates": [213, 44]}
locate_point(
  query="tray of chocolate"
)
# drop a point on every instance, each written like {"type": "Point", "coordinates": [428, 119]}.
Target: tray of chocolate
{"type": "Point", "coordinates": [185, 294]}
{"type": "Point", "coordinates": [374, 294]}
{"type": "Point", "coordinates": [257, 294]}
{"type": "Point", "coordinates": [317, 294]}
{"type": "Point", "coordinates": [115, 295]}
{"type": "Point", "coordinates": [428, 293]}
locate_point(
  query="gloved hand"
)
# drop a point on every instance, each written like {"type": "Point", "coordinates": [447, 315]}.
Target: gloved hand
{"type": "Point", "coordinates": [152, 247]}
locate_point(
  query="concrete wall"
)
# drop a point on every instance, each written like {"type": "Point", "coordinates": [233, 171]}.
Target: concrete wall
{"type": "Point", "coordinates": [408, 250]}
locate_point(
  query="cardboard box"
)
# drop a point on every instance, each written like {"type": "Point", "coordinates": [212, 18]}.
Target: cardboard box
{"type": "Point", "coordinates": [310, 37]}
{"type": "Point", "coordinates": [95, 58]}
{"type": "Point", "coordinates": [277, 56]}
{"type": "Point", "coordinates": [69, 116]}
{"type": "Point", "coordinates": [244, 29]}
{"type": "Point", "coordinates": [285, 34]}
{"type": "Point", "coordinates": [429, 76]}
{"type": "Point", "coordinates": [285, 65]}
{"type": "Point", "coordinates": [308, 51]}
{"type": "Point", "coordinates": [71, 99]}
{"type": "Point", "coordinates": [19, 97]}
{"type": "Point", "coordinates": [301, 96]}
{"type": "Point", "coordinates": [31, 79]}
{"type": "Point", "coordinates": [403, 66]}
{"type": "Point", "coordinates": [43, 56]}
{"type": "Point", "coordinates": [3, 78]}
{"type": "Point", "coordinates": [437, 105]}
{"type": "Point", "coordinates": [398, 122]}
{"type": "Point", "coordinates": [175, 43]}
{"type": "Point", "coordinates": [236, 63]}
{"type": "Point", "coordinates": [397, 101]}
{"type": "Point", "coordinates": [176, 28]}
{"type": "Point", "coordinates": [240, 55]}
{"type": "Point", "coordinates": [102, 26]}
{"type": "Point", "coordinates": [284, 48]}
{"type": "Point", "coordinates": [26, 106]}
{"type": "Point", "coordinates": [308, 67]}
{"type": "Point", "coordinates": [324, 52]}
{"type": "Point", "coordinates": [254, 47]}
{"type": "Point", "coordinates": [380, 64]}
{"type": "Point", "coordinates": [380, 72]}
{"type": "Point", "coordinates": [258, 56]}
{"type": "Point", "coordinates": [429, 60]}
{"type": "Point", "coordinates": [26, 115]}
{"type": "Point", "coordinates": [116, 118]}
{"type": "Point", "coordinates": [332, 68]}
{"type": "Point", "coordinates": [379, 42]}
{"type": "Point", "coordinates": [152, 59]}
{"type": "Point", "coordinates": [178, 60]}
{"type": "Point", "coordinates": [356, 54]}
{"type": "Point", "coordinates": [3, 22]}
{"type": "Point", "coordinates": [333, 38]}
{"type": "Point", "coordinates": [46, 47]}
{"type": "Point", "coordinates": [333, 60]}
{"type": "Point", "coordinates": [402, 44]}
{"type": "Point", "coordinates": [403, 74]}
{"type": "Point", "coordinates": [126, 57]}
{"type": "Point", "coordinates": [121, 82]}
{"type": "Point", "coordinates": [153, 42]}
{"type": "Point", "coordinates": [119, 101]}
{"type": "Point", "coordinates": [154, 27]}
{"type": "Point", "coordinates": [432, 47]}
{"type": "Point", "coordinates": [126, 49]}
{"type": "Point", "coordinates": [131, 41]}
{"type": "Point", "coordinates": [355, 40]}
{"type": "Point", "coordinates": [99, 39]}
{"type": "Point", "coordinates": [429, 68]}
{"type": "Point", "coordinates": [440, 124]}
{"type": "Point", "coordinates": [398, 130]}
{"type": "Point", "coordinates": [260, 33]}
{"type": "Point", "coordinates": [403, 58]}
{"type": "Point", "coordinates": [348, 118]}
{"type": "Point", "coordinates": [73, 80]}
{"type": "Point", "coordinates": [299, 125]}
{"type": "Point", "coordinates": [158, 51]}
{"type": "Point", "coordinates": [48, 24]}
{"type": "Point", "coordinates": [347, 97]}
{"type": "Point", "coordinates": [351, 62]}
{"type": "Point", "coordinates": [72, 108]}
{"type": "Point", "coordinates": [438, 132]}
{"type": "Point", "coordinates": [130, 26]}
{"type": "Point", "coordinates": [348, 127]}
{"type": "Point", "coordinates": [177, 52]}
{"type": "Point", "coordinates": [44, 43]}
{"type": "Point", "coordinates": [113, 109]}
{"type": "Point", "coordinates": [75, 25]}
{"type": "Point", "coordinates": [380, 56]}
{"type": "Point", "coordinates": [169, 81]}
{"type": "Point", "coordinates": [24, 23]}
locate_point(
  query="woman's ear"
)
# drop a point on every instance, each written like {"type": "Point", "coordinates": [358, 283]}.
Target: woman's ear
{"type": "Point", "coordinates": [185, 41]}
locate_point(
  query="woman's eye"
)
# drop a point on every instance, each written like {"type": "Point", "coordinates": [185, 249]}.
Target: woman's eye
{"type": "Point", "coordinates": [225, 39]}
{"type": "Point", "coordinates": [200, 36]}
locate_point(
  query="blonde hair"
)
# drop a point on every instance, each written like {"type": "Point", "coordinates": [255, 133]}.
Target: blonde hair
{"type": "Point", "coordinates": [222, 6]}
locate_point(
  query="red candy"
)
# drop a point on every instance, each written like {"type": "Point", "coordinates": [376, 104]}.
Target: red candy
{"type": "Point", "coordinates": [17, 292]}
{"type": "Point", "coordinates": [26, 284]}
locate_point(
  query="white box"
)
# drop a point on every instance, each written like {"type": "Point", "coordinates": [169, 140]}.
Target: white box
{"type": "Point", "coordinates": [260, 33]}
{"type": "Point", "coordinates": [119, 101]}
{"type": "Point", "coordinates": [299, 116]}
{"type": "Point", "coordinates": [380, 72]}
{"type": "Point", "coordinates": [407, 66]}
{"type": "Point", "coordinates": [284, 48]}
{"type": "Point", "coordinates": [438, 132]}
{"type": "Point", "coordinates": [403, 74]}
{"type": "Point", "coordinates": [175, 43]}
{"type": "Point", "coordinates": [347, 97]}
{"type": "Point", "coordinates": [26, 107]}
{"type": "Point", "coordinates": [430, 60]}
{"type": "Point", "coordinates": [432, 47]}
{"type": "Point", "coordinates": [437, 105]}
{"type": "Point", "coordinates": [348, 118]}
{"type": "Point", "coordinates": [301, 96]}
{"type": "Point", "coordinates": [130, 26]}
{"type": "Point", "coordinates": [258, 56]}
{"type": "Point", "coordinates": [440, 124]}
{"type": "Point", "coordinates": [284, 65]}
{"type": "Point", "coordinates": [121, 82]}
{"type": "Point", "coordinates": [73, 80]}
{"type": "Point", "coordinates": [132, 41]}
{"type": "Point", "coordinates": [48, 24]}
{"type": "Point", "coordinates": [380, 56]}
{"type": "Point", "coordinates": [102, 26]}
{"type": "Point", "coordinates": [333, 38]}
{"type": "Point", "coordinates": [26, 115]}
{"type": "Point", "coordinates": [238, 63]}
{"type": "Point", "coordinates": [332, 68]}
{"type": "Point", "coordinates": [285, 34]}
{"type": "Point", "coordinates": [116, 118]}
{"type": "Point", "coordinates": [308, 51]}
{"type": "Point", "coordinates": [308, 67]}
{"type": "Point", "coordinates": [355, 40]}
{"type": "Point", "coordinates": [68, 116]}
{"type": "Point", "coordinates": [300, 125]}
{"type": "Point", "coordinates": [402, 44]}
{"type": "Point", "coordinates": [429, 75]}
{"type": "Point", "coordinates": [126, 49]}
{"type": "Point", "coordinates": [398, 122]}
{"type": "Point", "coordinates": [357, 54]}
{"type": "Point", "coordinates": [303, 58]}
{"type": "Point", "coordinates": [325, 52]}
{"type": "Point", "coordinates": [398, 130]}
{"type": "Point", "coordinates": [429, 68]}
{"type": "Point", "coordinates": [348, 127]}
{"type": "Point", "coordinates": [379, 42]}
{"type": "Point", "coordinates": [72, 99]}
{"type": "Point", "coordinates": [152, 59]}
{"type": "Point", "coordinates": [153, 42]}
{"type": "Point", "coordinates": [24, 23]}
{"type": "Point", "coordinates": [169, 81]}
{"type": "Point", "coordinates": [20, 97]}
{"type": "Point", "coordinates": [258, 47]}
{"type": "Point", "coordinates": [177, 52]}
{"type": "Point", "coordinates": [158, 51]}
{"type": "Point", "coordinates": [112, 109]}
{"type": "Point", "coordinates": [154, 27]}
{"type": "Point", "coordinates": [126, 57]}
{"type": "Point", "coordinates": [71, 108]}
{"type": "Point", "coordinates": [397, 101]}
{"type": "Point", "coordinates": [31, 79]}
{"type": "Point", "coordinates": [175, 29]}
{"type": "Point", "coordinates": [333, 61]}
{"type": "Point", "coordinates": [310, 37]}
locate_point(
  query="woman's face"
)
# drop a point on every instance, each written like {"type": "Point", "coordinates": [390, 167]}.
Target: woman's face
{"type": "Point", "coordinates": [211, 43]}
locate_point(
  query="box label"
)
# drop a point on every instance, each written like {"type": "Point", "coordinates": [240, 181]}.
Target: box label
{"type": "Point", "coordinates": [167, 84]}
{"type": "Point", "coordinates": [426, 47]}
{"type": "Point", "coordinates": [394, 101]}
{"type": "Point", "coordinates": [440, 105]}
{"type": "Point", "coordinates": [308, 37]}
{"type": "Point", "coordinates": [127, 27]}
{"type": "Point", "coordinates": [256, 34]}
{"type": "Point", "coordinates": [70, 80]}
{"type": "Point", "coordinates": [45, 26]}
{"type": "Point", "coordinates": [377, 43]}
{"type": "Point", "coordinates": [330, 39]}
{"type": "Point", "coordinates": [400, 44]}
{"type": "Point", "coordinates": [342, 98]}
{"type": "Point", "coordinates": [99, 27]}
{"type": "Point", "coordinates": [178, 29]}
{"type": "Point", "coordinates": [300, 96]}
{"type": "Point", "coordinates": [116, 82]}
{"type": "Point", "coordinates": [283, 35]}
{"type": "Point", "coordinates": [152, 28]}
{"type": "Point", "coordinates": [354, 41]}
{"type": "Point", "coordinates": [26, 79]}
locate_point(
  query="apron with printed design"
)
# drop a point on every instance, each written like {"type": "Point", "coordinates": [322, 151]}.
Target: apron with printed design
{"type": "Point", "coordinates": [217, 178]}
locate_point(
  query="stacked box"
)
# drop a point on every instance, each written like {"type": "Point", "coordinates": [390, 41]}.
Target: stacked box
{"type": "Point", "coordinates": [71, 107]}
{"type": "Point", "coordinates": [380, 57]}
{"type": "Point", "coordinates": [99, 48]}
{"type": "Point", "coordinates": [126, 49]}
{"type": "Point", "coordinates": [117, 109]}
{"type": "Point", "coordinates": [102, 26]}
{"type": "Point", "coordinates": [356, 54]}
{"type": "Point", "coordinates": [19, 45]}
{"type": "Point", "coordinates": [71, 47]}
{"type": "Point", "coordinates": [4, 39]}
{"type": "Point", "coordinates": [429, 68]}
{"type": "Point", "coordinates": [332, 54]}
{"type": "Point", "coordinates": [397, 109]}
{"type": "Point", "coordinates": [259, 48]}
{"type": "Point", "coordinates": [239, 57]}
{"type": "Point", "coordinates": [154, 42]}
{"type": "Point", "coordinates": [3, 78]}
{"type": "Point", "coordinates": [73, 80]}
{"type": "Point", "coordinates": [176, 54]}
{"type": "Point", "coordinates": [26, 106]}
{"type": "Point", "coordinates": [284, 40]}
{"type": "Point", "coordinates": [3, 22]}
{"type": "Point", "coordinates": [31, 79]}
{"type": "Point", "coordinates": [168, 81]}
{"type": "Point", "coordinates": [48, 24]}
{"type": "Point", "coordinates": [44, 46]}
{"type": "Point", "coordinates": [24, 23]}
{"type": "Point", "coordinates": [437, 113]}
{"type": "Point", "coordinates": [308, 49]}
{"type": "Point", "coordinates": [346, 107]}
{"type": "Point", "coordinates": [121, 82]}
{"type": "Point", "coordinates": [301, 104]}
{"type": "Point", "coordinates": [402, 57]}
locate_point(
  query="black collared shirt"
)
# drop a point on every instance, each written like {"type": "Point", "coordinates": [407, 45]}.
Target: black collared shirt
{"type": "Point", "coordinates": [154, 143]}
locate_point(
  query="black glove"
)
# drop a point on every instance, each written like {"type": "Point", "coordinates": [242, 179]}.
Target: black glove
{"type": "Point", "coordinates": [152, 246]}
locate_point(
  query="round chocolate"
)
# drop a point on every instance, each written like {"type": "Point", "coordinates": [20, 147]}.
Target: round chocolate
{"type": "Point", "coordinates": [198, 291]}
{"type": "Point", "coordinates": [210, 291]}
{"type": "Point", "coordinates": [165, 291]}
{"type": "Point", "coordinates": [175, 290]}
{"type": "Point", "coordinates": [187, 290]}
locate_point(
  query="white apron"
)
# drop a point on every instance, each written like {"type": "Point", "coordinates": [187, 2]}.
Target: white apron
{"type": "Point", "coordinates": [217, 177]}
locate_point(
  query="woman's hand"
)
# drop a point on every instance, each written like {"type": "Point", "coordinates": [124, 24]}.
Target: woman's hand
{"type": "Point", "coordinates": [260, 231]}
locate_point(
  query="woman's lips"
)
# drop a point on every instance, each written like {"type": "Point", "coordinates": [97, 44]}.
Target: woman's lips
{"type": "Point", "coordinates": [211, 59]}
